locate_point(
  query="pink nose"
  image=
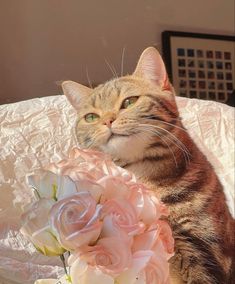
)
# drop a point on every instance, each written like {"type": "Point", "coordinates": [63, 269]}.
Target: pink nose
{"type": "Point", "coordinates": [108, 122]}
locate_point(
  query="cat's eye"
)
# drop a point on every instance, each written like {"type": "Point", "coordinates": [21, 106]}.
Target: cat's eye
{"type": "Point", "coordinates": [91, 117]}
{"type": "Point", "coordinates": [129, 102]}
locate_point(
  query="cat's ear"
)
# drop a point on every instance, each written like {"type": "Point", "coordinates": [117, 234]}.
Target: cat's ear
{"type": "Point", "coordinates": [151, 67]}
{"type": "Point", "coordinates": [75, 92]}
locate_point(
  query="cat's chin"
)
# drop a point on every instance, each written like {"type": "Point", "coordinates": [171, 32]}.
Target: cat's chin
{"type": "Point", "coordinates": [116, 141]}
{"type": "Point", "coordinates": [123, 147]}
{"type": "Point", "coordinates": [114, 136]}
{"type": "Point", "coordinates": [115, 144]}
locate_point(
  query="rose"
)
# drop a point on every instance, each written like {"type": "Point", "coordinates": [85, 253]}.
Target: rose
{"type": "Point", "coordinates": [151, 250]}
{"type": "Point", "coordinates": [36, 228]}
{"type": "Point", "coordinates": [50, 185]}
{"type": "Point", "coordinates": [111, 255]}
{"type": "Point", "coordinates": [90, 159]}
{"type": "Point", "coordinates": [136, 274]}
{"type": "Point", "coordinates": [114, 187]}
{"type": "Point", "coordinates": [165, 234]}
{"type": "Point", "coordinates": [158, 239]}
{"type": "Point", "coordinates": [75, 220]}
{"type": "Point", "coordinates": [89, 165]}
{"type": "Point", "coordinates": [109, 222]}
{"type": "Point", "coordinates": [82, 164]}
{"type": "Point", "coordinates": [149, 207]}
{"type": "Point", "coordinates": [82, 273]}
{"type": "Point", "coordinates": [63, 280]}
{"type": "Point", "coordinates": [120, 216]}
{"type": "Point", "coordinates": [157, 270]}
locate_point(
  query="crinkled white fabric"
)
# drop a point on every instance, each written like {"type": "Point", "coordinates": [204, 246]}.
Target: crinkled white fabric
{"type": "Point", "coordinates": [36, 132]}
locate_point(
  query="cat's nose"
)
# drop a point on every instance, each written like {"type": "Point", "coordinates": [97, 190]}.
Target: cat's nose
{"type": "Point", "coordinates": [108, 119]}
{"type": "Point", "coordinates": [108, 122]}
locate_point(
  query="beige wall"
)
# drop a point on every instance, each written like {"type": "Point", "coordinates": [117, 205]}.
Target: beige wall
{"type": "Point", "coordinates": [44, 41]}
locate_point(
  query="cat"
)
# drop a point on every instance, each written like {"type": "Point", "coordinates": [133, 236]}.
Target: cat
{"type": "Point", "coordinates": [135, 119]}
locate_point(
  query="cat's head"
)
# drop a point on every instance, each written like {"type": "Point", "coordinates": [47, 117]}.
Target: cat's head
{"type": "Point", "coordinates": [123, 117]}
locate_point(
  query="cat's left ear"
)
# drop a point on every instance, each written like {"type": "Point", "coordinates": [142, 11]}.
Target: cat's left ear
{"type": "Point", "coordinates": [151, 67]}
{"type": "Point", "coordinates": [75, 92]}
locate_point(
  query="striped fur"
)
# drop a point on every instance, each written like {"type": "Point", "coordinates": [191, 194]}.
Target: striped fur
{"type": "Point", "coordinates": [150, 140]}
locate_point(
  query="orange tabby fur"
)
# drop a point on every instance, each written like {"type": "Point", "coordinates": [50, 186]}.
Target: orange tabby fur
{"type": "Point", "coordinates": [148, 138]}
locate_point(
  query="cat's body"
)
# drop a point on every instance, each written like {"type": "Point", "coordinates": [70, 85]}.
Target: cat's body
{"type": "Point", "coordinates": [199, 216]}
{"type": "Point", "coordinates": [136, 121]}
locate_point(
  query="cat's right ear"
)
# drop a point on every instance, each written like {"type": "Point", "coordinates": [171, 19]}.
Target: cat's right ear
{"type": "Point", "coordinates": [152, 68]}
{"type": "Point", "coordinates": [75, 92]}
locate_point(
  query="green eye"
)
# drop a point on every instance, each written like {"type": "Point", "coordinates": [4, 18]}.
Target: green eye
{"type": "Point", "coordinates": [129, 102]}
{"type": "Point", "coordinates": [91, 117]}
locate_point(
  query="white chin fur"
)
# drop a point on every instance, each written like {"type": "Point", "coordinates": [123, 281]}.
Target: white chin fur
{"type": "Point", "coordinates": [126, 148]}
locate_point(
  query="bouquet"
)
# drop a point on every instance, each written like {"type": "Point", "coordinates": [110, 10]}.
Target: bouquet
{"type": "Point", "coordinates": [105, 226]}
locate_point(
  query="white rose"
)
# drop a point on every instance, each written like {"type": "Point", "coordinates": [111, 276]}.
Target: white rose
{"type": "Point", "coordinates": [82, 273]}
{"type": "Point", "coordinates": [63, 280]}
{"type": "Point", "coordinates": [36, 228]}
{"type": "Point", "coordinates": [49, 185]}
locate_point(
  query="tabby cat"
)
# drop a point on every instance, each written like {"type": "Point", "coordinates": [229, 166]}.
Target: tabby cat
{"type": "Point", "coordinates": [135, 119]}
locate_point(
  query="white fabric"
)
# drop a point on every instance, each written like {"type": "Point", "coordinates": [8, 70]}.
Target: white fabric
{"type": "Point", "coordinates": [36, 132]}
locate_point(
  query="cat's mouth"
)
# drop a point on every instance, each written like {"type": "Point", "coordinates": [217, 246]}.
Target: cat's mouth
{"type": "Point", "coordinates": [116, 135]}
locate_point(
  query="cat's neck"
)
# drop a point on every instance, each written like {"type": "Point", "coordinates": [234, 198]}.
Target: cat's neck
{"type": "Point", "coordinates": [164, 170]}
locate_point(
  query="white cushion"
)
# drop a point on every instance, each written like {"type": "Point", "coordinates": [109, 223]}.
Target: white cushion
{"type": "Point", "coordinates": [36, 132]}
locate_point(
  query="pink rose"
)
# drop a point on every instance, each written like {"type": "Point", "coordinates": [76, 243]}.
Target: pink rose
{"type": "Point", "coordinates": [82, 164]}
{"type": "Point", "coordinates": [114, 187]}
{"type": "Point", "coordinates": [82, 273]}
{"type": "Point", "coordinates": [136, 274]}
{"type": "Point", "coordinates": [157, 270]}
{"type": "Point", "coordinates": [151, 209]}
{"type": "Point", "coordinates": [119, 215]}
{"type": "Point", "coordinates": [75, 220]}
{"type": "Point", "coordinates": [109, 222]}
{"type": "Point", "coordinates": [88, 155]}
{"type": "Point", "coordinates": [89, 165]}
{"type": "Point", "coordinates": [165, 234]}
{"type": "Point", "coordinates": [110, 255]}
{"type": "Point", "coordinates": [159, 240]}
{"type": "Point", "coordinates": [101, 161]}
{"type": "Point", "coordinates": [117, 188]}
{"type": "Point", "coordinates": [159, 231]}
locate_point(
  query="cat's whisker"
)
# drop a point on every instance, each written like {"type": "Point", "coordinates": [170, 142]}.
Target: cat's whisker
{"type": "Point", "coordinates": [88, 78]}
{"type": "Point", "coordinates": [172, 135]}
{"type": "Point", "coordinates": [168, 123]}
{"type": "Point", "coordinates": [153, 127]}
{"type": "Point", "coordinates": [111, 68]}
{"type": "Point", "coordinates": [154, 131]}
{"type": "Point", "coordinates": [122, 60]}
{"type": "Point", "coordinates": [159, 136]}
{"type": "Point", "coordinates": [162, 115]}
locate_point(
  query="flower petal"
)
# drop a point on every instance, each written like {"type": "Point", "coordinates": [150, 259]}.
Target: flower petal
{"type": "Point", "coordinates": [45, 183]}
{"type": "Point", "coordinates": [50, 185]}
{"type": "Point", "coordinates": [75, 220]}
{"type": "Point", "coordinates": [92, 187]}
{"type": "Point", "coordinates": [36, 228]}
{"type": "Point", "coordinates": [63, 280]}
{"type": "Point", "coordinates": [139, 262]}
{"type": "Point", "coordinates": [81, 273]}
{"type": "Point", "coordinates": [66, 187]}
